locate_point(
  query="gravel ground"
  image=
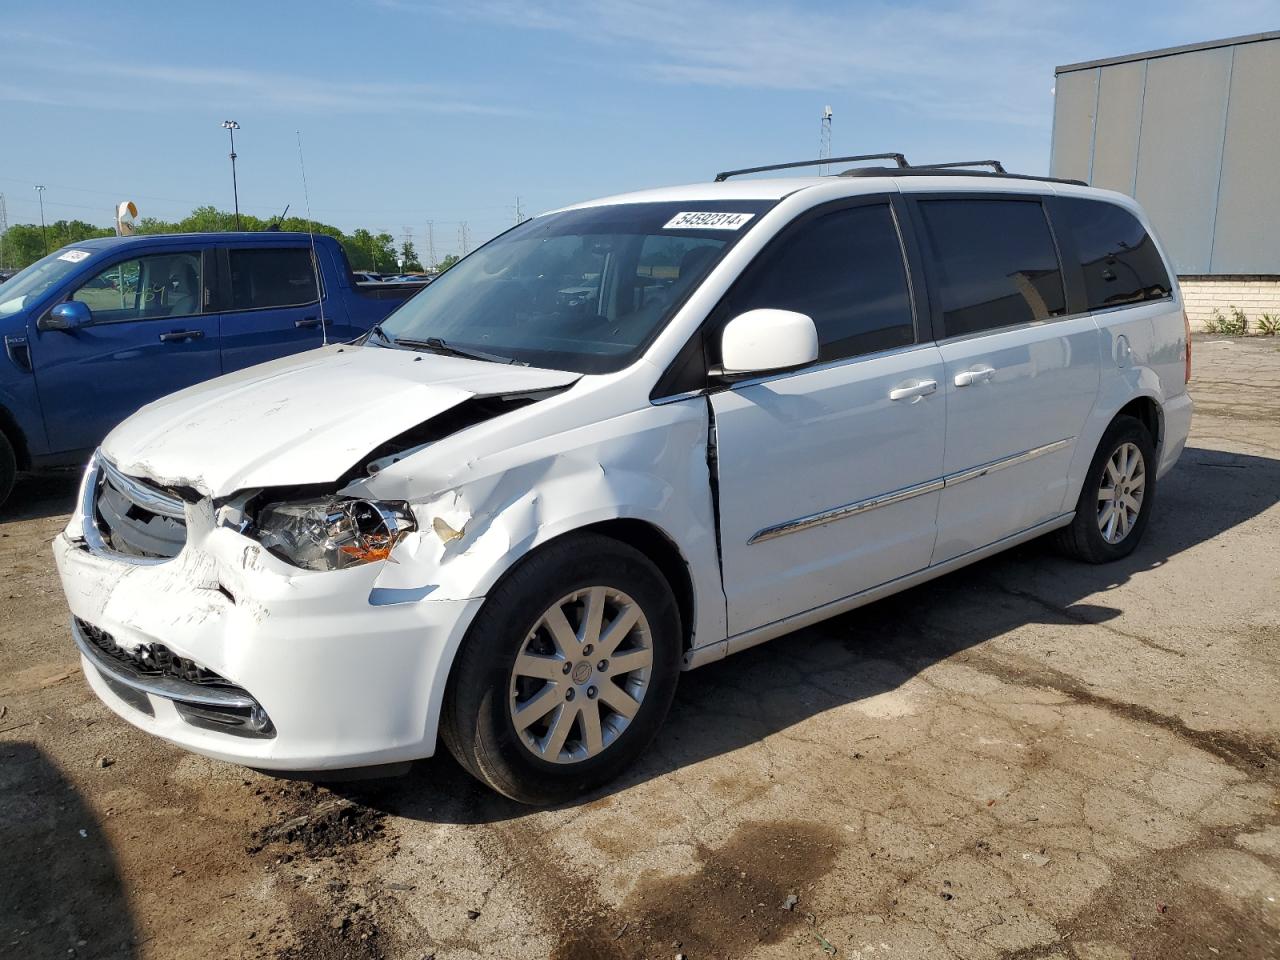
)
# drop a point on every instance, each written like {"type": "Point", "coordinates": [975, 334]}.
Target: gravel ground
{"type": "Point", "coordinates": [1027, 759]}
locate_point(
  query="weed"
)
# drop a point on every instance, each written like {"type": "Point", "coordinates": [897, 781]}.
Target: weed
{"type": "Point", "coordinates": [1269, 324]}
{"type": "Point", "coordinates": [1236, 325]}
{"type": "Point", "coordinates": [1215, 322]}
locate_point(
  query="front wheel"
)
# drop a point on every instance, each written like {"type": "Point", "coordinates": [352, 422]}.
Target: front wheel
{"type": "Point", "coordinates": [1115, 502]}
{"type": "Point", "coordinates": [8, 468]}
{"type": "Point", "coordinates": [567, 672]}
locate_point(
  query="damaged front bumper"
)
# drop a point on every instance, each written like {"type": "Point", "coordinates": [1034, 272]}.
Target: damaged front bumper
{"type": "Point", "coordinates": [231, 653]}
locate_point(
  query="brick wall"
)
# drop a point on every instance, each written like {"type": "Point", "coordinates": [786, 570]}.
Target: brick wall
{"type": "Point", "coordinates": [1254, 294]}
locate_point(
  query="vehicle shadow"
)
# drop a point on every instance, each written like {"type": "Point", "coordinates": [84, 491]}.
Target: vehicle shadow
{"type": "Point", "coordinates": [730, 704]}
{"type": "Point", "coordinates": [39, 495]}
{"type": "Point", "coordinates": [61, 891]}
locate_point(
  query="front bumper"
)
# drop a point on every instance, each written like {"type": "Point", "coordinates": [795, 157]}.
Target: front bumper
{"type": "Point", "coordinates": [341, 677]}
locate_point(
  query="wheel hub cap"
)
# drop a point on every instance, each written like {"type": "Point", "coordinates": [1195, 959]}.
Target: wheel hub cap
{"type": "Point", "coordinates": [580, 675]}
{"type": "Point", "coordinates": [1120, 494]}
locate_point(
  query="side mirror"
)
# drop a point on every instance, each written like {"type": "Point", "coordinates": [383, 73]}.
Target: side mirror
{"type": "Point", "coordinates": [71, 315]}
{"type": "Point", "coordinates": [760, 341]}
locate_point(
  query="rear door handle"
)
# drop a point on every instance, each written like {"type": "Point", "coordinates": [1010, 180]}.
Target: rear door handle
{"type": "Point", "coordinates": [307, 322]}
{"type": "Point", "coordinates": [175, 335]}
{"type": "Point", "coordinates": [977, 375]}
{"type": "Point", "coordinates": [921, 388]}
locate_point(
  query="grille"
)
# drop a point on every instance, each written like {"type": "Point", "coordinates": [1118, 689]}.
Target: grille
{"type": "Point", "coordinates": [152, 659]}
{"type": "Point", "coordinates": [136, 518]}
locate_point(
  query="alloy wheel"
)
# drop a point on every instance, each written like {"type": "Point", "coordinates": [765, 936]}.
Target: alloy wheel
{"type": "Point", "coordinates": [1120, 494]}
{"type": "Point", "coordinates": [581, 675]}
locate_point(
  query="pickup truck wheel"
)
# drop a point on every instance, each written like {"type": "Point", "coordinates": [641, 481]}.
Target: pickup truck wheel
{"type": "Point", "coordinates": [566, 673]}
{"type": "Point", "coordinates": [1116, 499]}
{"type": "Point", "coordinates": [8, 468]}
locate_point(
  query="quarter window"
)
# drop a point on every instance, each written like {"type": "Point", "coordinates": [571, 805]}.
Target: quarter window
{"type": "Point", "coordinates": [164, 285]}
{"type": "Point", "coordinates": [272, 277]}
{"type": "Point", "coordinates": [994, 262]}
{"type": "Point", "coordinates": [1120, 261]}
{"type": "Point", "coordinates": [843, 269]}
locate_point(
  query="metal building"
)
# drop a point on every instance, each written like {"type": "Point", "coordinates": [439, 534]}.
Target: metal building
{"type": "Point", "coordinates": [1193, 133]}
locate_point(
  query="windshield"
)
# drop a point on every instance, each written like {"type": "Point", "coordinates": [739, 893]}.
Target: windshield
{"type": "Point", "coordinates": [583, 290]}
{"type": "Point", "coordinates": [30, 284]}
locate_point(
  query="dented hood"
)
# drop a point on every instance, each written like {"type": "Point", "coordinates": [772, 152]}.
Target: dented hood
{"type": "Point", "coordinates": [303, 419]}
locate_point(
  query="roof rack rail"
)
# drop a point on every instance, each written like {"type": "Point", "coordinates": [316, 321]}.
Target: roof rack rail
{"type": "Point", "coordinates": [937, 171]}
{"type": "Point", "coordinates": [995, 165]}
{"type": "Point", "coordinates": [897, 158]}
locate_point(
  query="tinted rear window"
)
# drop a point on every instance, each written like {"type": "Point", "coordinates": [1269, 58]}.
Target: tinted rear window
{"type": "Point", "coordinates": [272, 277]}
{"type": "Point", "coordinates": [1120, 260]}
{"type": "Point", "coordinates": [994, 263]}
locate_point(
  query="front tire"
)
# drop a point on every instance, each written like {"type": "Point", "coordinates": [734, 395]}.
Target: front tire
{"type": "Point", "coordinates": [8, 468]}
{"type": "Point", "coordinates": [1115, 501]}
{"type": "Point", "coordinates": [567, 671]}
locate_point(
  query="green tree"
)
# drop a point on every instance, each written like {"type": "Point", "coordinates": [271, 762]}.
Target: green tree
{"type": "Point", "coordinates": [447, 262]}
{"type": "Point", "coordinates": [409, 257]}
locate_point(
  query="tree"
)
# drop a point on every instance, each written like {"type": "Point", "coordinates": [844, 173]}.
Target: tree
{"type": "Point", "coordinates": [409, 257]}
{"type": "Point", "coordinates": [447, 262]}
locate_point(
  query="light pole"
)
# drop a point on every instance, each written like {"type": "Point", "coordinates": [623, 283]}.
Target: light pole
{"type": "Point", "coordinates": [44, 233]}
{"type": "Point", "coordinates": [231, 127]}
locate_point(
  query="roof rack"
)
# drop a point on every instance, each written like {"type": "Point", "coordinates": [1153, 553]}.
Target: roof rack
{"type": "Point", "coordinates": [995, 165]}
{"type": "Point", "coordinates": [897, 158]}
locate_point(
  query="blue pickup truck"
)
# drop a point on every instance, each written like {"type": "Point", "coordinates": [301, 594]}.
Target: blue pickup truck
{"type": "Point", "coordinates": [99, 328]}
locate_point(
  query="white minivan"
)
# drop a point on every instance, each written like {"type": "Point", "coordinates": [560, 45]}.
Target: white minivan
{"type": "Point", "coordinates": [621, 440]}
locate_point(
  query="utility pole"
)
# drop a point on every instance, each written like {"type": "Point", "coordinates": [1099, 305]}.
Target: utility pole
{"type": "Point", "coordinates": [824, 140]}
{"type": "Point", "coordinates": [408, 239]}
{"type": "Point", "coordinates": [4, 229]}
{"type": "Point", "coordinates": [431, 245]}
{"type": "Point", "coordinates": [519, 211]}
{"type": "Point", "coordinates": [464, 237]}
{"type": "Point", "coordinates": [44, 233]}
{"type": "Point", "coordinates": [231, 127]}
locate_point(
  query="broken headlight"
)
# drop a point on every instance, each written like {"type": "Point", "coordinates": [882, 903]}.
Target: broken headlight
{"type": "Point", "coordinates": [333, 532]}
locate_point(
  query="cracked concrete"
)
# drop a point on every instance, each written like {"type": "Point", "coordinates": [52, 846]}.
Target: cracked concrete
{"type": "Point", "coordinates": [1027, 759]}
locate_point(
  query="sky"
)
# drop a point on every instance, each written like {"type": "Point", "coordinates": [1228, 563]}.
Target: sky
{"type": "Point", "coordinates": [416, 110]}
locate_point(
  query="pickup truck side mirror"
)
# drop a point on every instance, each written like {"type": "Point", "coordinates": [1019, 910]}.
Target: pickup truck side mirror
{"type": "Point", "coordinates": [71, 315]}
{"type": "Point", "coordinates": [762, 341]}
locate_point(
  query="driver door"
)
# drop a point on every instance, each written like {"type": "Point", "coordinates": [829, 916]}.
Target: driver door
{"type": "Point", "coordinates": [150, 335]}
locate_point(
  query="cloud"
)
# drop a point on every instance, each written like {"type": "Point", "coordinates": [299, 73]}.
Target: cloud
{"type": "Point", "coordinates": [272, 89]}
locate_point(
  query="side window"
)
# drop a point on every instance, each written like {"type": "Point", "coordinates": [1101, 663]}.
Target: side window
{"type": "Point", "coordinates": [844, 269]}
{"type": "Point", "coordinates": [994, 261]}
{"type": "Point", "coordinates": [163, 285]}
{"type": "Point", "coordinates": [1120, 260]}
{"type": "Point", "coordinates": [272, 277]}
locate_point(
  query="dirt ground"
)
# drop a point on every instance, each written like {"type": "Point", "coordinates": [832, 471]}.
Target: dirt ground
{"type": "Point", "coordinates": [1027, 759]}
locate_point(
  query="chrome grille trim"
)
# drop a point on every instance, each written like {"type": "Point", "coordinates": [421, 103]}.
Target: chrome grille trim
{"type": "Point", "coordinates": [141, 494]}
{"type": "Point", "coordinates": [101, 470]}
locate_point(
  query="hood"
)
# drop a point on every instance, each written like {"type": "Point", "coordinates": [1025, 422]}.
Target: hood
{"type": "Point", "coordinates": [304, 419]}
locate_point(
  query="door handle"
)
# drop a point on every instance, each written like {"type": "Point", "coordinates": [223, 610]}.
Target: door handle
{"type": "Point", "coordinates": [307, 322]}
{"type": "Point", "coordinates": [978, 375]}
{"type": "Point", "coordinates": [921, 388]}
{"type": "Point", "coordinates": [175, 335]}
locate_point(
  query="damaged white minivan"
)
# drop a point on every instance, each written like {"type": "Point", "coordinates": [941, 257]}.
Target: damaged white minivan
{"type": "Point", "coordinates": [621, 440]}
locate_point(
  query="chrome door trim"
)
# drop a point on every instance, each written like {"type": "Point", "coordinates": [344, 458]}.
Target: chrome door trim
{"type": "Point", "coordinates": [906, 493]}
{"type": "Point", "coordinates": [982, 470]}
{"type": "Point", "coordinates": [848, 510]}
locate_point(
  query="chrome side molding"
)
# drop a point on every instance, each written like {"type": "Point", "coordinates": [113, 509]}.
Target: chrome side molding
{"type": "Point", "coordinates": [906, 493]}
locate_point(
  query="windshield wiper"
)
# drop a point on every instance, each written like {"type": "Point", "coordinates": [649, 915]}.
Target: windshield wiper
{"type": "Point", "coordinates": [377, 330]}
{"type": "Point", "coordinates": [436, 345]}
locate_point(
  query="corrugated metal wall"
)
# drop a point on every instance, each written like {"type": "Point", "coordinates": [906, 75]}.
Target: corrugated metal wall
{"type": "Point", "coordinates": [1195, 137]}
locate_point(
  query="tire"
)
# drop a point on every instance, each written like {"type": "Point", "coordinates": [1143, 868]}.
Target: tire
{"type": "Point", "coordinates": [1096, 536]}
{"type": "Point", "coordinates": [8, 468]}
{"type": "Point", "coordinates": [527, 730]}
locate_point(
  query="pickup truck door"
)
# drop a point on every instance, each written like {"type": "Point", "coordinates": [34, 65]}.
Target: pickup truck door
{"type": "Point", "coordinates": [828, 476]}
{"type": "Point", "coordinates": [1021, 376]}
{"type": "Point", "coordinates": [270, 302]}
{"type": "Point", "coordinates": [151, 335]}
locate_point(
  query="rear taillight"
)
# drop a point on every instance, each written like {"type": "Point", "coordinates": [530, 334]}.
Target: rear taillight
{"type": "Point", "coordinates": [1186, 325]}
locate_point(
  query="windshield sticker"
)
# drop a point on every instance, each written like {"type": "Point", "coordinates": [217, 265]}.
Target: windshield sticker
{"type": "Point", "coordinates": [75, 256]}
{"type": "Point", "coordinates": [707, 221]}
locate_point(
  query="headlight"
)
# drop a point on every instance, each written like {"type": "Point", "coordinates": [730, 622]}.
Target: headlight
{"type": "Point", "coordinates": [332, 533]}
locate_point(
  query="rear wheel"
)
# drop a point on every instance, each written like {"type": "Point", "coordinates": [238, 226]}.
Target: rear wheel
{"type": "Point", "coordinates": [1116, 499]}
{"type": "Point", "coordinates": [566, 673]}
{"type": "Point", "coordinates": [8, 468]}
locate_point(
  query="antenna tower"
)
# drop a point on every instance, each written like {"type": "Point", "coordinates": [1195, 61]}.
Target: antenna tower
{"type": "Point", "coordinates": [4, 230]}
{"type": "Point", "coordinates": [431, 245]}
{"type": "Point", "coordinates": [824, 141]}
{"type": "Point", "coordinates": [464, 237]}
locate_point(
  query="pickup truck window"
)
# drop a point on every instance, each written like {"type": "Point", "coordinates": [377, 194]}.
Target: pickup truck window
{"type": "Point", "coordinates": [163, 285]}
{"type": "Point", "coordinates": [267, 277]}
{"type": "Point", "coordinates": [843, 269]}
{"type": "Point", "coordinates": [994, 263]}
{"type": "Point", "coordinates": [27, 286]}
{"type": "Point", "coordinates": [582, 290]}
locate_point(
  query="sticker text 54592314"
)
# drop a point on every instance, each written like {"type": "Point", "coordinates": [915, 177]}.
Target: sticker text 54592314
{"type": "Point", "coordinates": [707, 220]}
